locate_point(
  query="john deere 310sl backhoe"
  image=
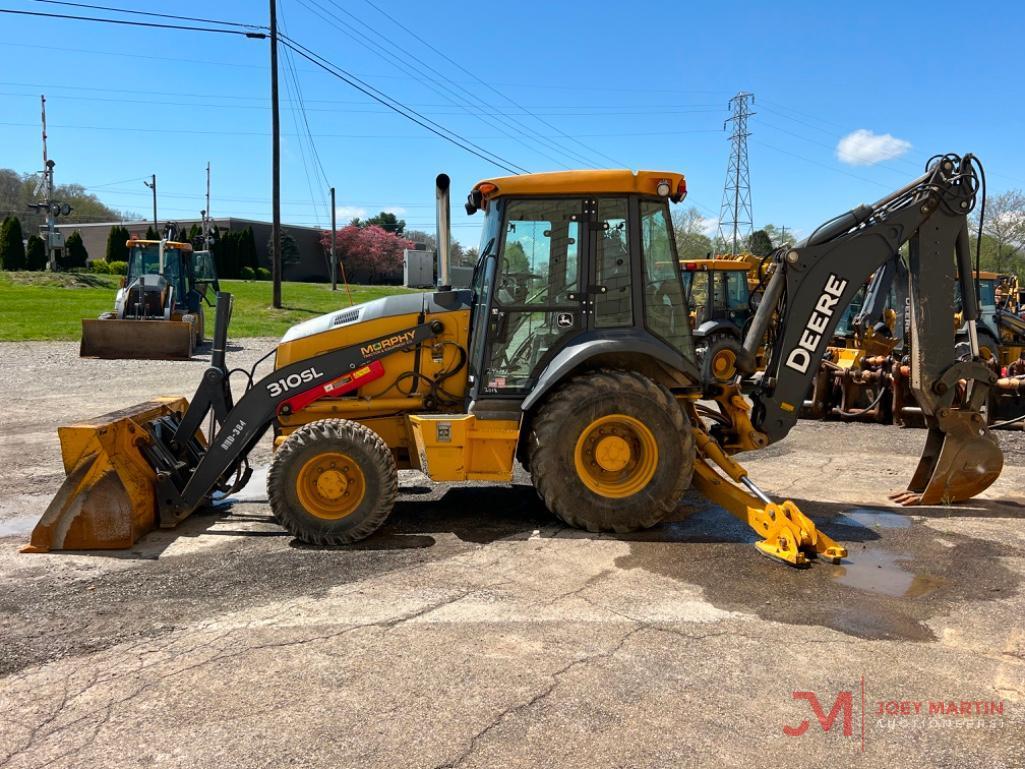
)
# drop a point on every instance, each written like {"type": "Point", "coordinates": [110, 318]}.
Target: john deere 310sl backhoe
{"type": "Point", "coordinates": [571, 352]}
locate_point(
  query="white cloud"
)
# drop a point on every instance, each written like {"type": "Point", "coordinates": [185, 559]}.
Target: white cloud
{"type": "Point", "coordinates": [345, 213]}
{"type": "Point", "coordinates": [864, 148]}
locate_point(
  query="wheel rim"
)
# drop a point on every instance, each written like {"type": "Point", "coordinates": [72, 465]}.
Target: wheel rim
{"type": "Point", "coordinates": [724, 365]}
{"type": "Point", "coordinates": [330, 485]}
{"type": "Point", "coordinates": [616, 456]}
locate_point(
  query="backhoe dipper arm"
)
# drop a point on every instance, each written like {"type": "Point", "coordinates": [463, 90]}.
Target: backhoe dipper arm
{"type": "Point", "coordinates": [894, 273]}
{"type": "Point", "coordinates": [815, 281]}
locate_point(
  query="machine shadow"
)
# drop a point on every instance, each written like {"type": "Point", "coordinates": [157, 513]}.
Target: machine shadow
{"type": "Point", "coordinates": [482, 515]}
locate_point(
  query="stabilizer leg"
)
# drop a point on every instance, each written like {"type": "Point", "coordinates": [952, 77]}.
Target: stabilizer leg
{"type": "Point", "coordinates": [788, 534]}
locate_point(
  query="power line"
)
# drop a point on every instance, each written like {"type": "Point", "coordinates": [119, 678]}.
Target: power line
{"type": "Point", "coordinates": [576, 87]}
{"type": "Point", "coordinates": [150, 13]}
{"type": "Point", "coordinates": [822, 165]}
{"type": "Point", "coordinates": [290, 73]}
{"type": "Point", "coordinates": [302, 106]}
{"type": "Point", "coordinates": [487, 85]}
{"type": "Point", "coordinates": [126, 22]}
{"type": "Point", "coordinates": [474, 100]}
{"type": "Point", "coordinates": [464, 105]}
{"type": "Point", "coordinates": [400, 109]}
{"type": "Point", "coordinates": [266, 106]}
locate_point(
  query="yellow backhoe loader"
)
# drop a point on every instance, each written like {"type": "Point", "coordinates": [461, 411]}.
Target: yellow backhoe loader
{"type": "Point", "coordinates": [572, 352]}
{"type": "Point", "coordinates": [158, 309]}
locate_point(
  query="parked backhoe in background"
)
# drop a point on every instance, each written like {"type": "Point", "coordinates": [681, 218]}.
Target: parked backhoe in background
{"type": "Point", "coordinates": [866, 375]}
{"type": "Point", "coordinates": [580, 363]}
{"type": "Point", "coordinates": [158, 309]}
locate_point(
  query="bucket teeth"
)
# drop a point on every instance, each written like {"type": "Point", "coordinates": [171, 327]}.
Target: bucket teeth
{"type": "Point", "coordinates": [108, 500]}
{"type": "Point", "coordinates": [961, 459]}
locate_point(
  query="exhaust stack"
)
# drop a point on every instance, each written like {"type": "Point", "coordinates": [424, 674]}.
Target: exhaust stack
{"type": "Point", "coordinates": [441, 190]}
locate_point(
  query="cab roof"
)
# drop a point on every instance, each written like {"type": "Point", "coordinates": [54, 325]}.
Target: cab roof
{"type": "Point", "coordinates": [171, 243]}
{"type": "Point", "coordinates": [589, 182]}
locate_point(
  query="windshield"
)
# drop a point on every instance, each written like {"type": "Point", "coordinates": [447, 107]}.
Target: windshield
{"type": "Point", "coordinates": [145, 260]}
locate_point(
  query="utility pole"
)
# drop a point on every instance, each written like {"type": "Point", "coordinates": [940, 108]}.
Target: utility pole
{"type": "Point", "coordinates": [51, 219]}
{"type": "Point", "coordinates": [153, 186]}
{"type": "Point", "coordinates": [735, 218]}
{"type": "Point", "coordinates": [275, 158]}
{"type": "Point", "coordinates": [334, 256]}
{"type": "Point", "coordinates": [206, 212]}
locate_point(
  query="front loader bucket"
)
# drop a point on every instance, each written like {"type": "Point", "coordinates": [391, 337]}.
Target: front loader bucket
{"type": "Point", "coordinates": [961, 458]}
{"type": "Point", "coordinates": [136, 339]}
{"type": "Point", "coordinates": [108, 500]}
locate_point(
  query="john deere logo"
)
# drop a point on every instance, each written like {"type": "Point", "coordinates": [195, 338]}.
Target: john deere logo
{"type": "Point", "coordinates": [386, 344]}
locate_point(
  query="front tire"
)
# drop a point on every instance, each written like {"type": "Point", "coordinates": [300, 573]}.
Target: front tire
{"type": "Point", "coordinates": [332, 482]}
{"type": "Point", "coordinates": [611, 451]}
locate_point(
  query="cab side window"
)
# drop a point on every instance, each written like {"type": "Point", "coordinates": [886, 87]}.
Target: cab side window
{"type": "Point", "coordinates": [613, 306]}
{"type": "Point", "coordinates": [665, 311]}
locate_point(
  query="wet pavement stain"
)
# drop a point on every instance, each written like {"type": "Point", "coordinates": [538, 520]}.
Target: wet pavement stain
{"type": "Point", "coordinates": [885, 572]}
{"type": "Point", "coordinates": [867, 516]}
{"type": "Point", "coordinates": [18, 526]}
{"type": "Point", "coordinates": [898, 575]}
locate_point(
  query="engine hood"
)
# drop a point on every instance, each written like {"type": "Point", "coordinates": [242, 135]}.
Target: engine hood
{"type": "Point", "coordinates": [400, 304]}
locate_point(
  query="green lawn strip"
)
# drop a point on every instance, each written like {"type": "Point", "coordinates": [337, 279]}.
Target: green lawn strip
{"type": "Point", "coordinates": [47, 306]}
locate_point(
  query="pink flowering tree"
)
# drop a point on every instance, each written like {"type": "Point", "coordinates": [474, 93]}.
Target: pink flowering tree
{"type": "Point", "coordinates": [369, 254]}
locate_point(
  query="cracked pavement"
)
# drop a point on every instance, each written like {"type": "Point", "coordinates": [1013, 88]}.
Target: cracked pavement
{"type": "Point", "coordinates": [476, 631]}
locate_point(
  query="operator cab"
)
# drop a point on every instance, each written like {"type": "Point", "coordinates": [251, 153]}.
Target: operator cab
{"type": "Point", "coordinates": [165, 271]}
{"type": "Point", "coordinates": [718, 296]}
{"type": "Point", "coordinates": [566, 280]}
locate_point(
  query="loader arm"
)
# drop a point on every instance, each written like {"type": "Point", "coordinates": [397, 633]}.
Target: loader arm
{"type": "Point", "coordinates": [815, 281]}
{"type": "Point", "coordinates": [183, 484]}
{"type": "Point", "coordinates": [150, 465]}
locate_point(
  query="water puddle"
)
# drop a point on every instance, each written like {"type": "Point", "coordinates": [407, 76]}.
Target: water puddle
{"type": "Point", "coordinates": [254, 491]}
{"type": "Point", "coordinates": [874, 519]}
{"type": "Point", "coordinates": [18, 525]}
{"type": "Point", "coordinates": [884, 572]}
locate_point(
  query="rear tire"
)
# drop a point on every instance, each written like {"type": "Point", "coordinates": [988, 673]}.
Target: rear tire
{"type": "Point", "coordinates": [611, 451]}
{"type": "Point", "coordinates": [332, 482]}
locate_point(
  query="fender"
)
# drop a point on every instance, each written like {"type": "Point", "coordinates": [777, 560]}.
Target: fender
{"type": "Point", "coordinates": [609, 341]}
{"type": "Point", "coordinates": [720, 326]}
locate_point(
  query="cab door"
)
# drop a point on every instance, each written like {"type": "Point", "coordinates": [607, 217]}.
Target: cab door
{"type": "Point", "coordinates": [609, 293]}
{"type": "Point", "coordinates": [538, 302]}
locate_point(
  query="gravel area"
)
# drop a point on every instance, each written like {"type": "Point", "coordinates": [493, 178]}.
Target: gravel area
{"type": "Point", "coordinates": [475, 630]}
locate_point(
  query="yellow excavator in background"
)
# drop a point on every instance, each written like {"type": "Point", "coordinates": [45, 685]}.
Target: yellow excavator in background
{"type": "Point", "coordinates": [572, 352]}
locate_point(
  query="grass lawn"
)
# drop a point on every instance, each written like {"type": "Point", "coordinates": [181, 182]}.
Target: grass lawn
{"type": "Point", "coordinates": [40, 305]}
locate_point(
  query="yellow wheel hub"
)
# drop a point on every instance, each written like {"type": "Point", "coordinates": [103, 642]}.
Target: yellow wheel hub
{"type": "Point", "coordinates": [724, 365]}
{"type": "Point", "coordinates": [616, 456]}
{"type": "Point", "coordinates": [612, 453]}
{"type": "Point", "coordinates": [330, 485]}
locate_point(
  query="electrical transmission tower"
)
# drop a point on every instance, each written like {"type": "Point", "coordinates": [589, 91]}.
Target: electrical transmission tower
{"type": "Point", "coordinates": [735, 218]}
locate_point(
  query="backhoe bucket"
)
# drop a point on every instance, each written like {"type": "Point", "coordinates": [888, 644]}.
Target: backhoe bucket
{"type": "Point", "coordinates": [137, 339]}
{"type": "Point", "coordinates": [108, 500]}
{"type": "Point", "coordinates": [961, 458]}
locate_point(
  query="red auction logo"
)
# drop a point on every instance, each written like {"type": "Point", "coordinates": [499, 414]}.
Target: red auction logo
{"type": "Point", "coordinates": [895, 714]}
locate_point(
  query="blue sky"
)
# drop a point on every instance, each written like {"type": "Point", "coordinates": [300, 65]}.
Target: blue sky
{"type": "Point", "coordinates": [637, 85]}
